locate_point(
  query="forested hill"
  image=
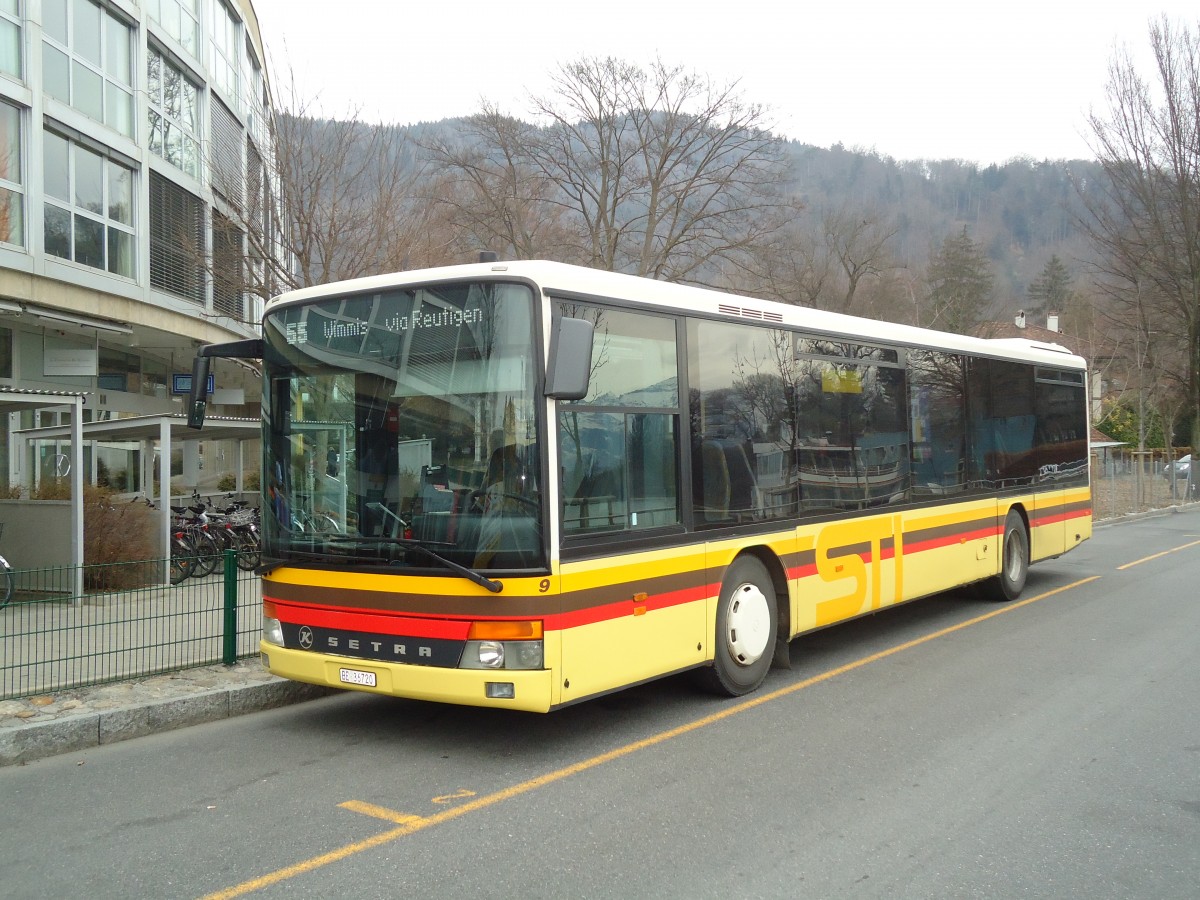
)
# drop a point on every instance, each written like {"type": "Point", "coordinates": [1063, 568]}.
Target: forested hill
{"type": "Point", "coordinates": [1021, 213]}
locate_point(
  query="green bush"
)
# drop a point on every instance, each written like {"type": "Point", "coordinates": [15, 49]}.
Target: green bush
{"type": "Point", "coordinates": [1120, 422]}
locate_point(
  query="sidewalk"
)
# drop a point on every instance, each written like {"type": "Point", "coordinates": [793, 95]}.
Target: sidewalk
{"type": "Point", "coordinates": [80, 718]}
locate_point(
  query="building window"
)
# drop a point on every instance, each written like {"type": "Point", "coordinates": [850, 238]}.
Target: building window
{"type": "Point", "coordinates": [118, 371]}
{"type": "Point", "coordinates": [176, 239]}
{"type": "Point", "coordinates": [89, 207]}
{"type": "Point", "coordinates": [87, 61]}
{"type": "Point", "coordinates": [226, 44]}
{"type": "Point", "coordinates": [156, 377]}
{"type": "Point", "coordinates": [12, 199]}
{"type": "Point", "coordinates": [180, 19]}
{"type": "Point", "coordinates": [10, 37]}
{"type": "Point", "coordinates": [226, 151]}
{"type": "Point", "coordinates": [258, 221]}
{"type": "Point", "coordinates": [258, 193]}
{"type": "Point", "coordinates": [229, 275]}
{"type": "Point", "coordinates": [6, 353]}
{"type": "Point", "coordinates": [254, 101]}
{"type": "Point", "coordinates": [174, 114]}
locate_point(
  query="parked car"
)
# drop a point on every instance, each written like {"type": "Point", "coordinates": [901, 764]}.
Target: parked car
{"type": "Point", "coordinates": [1179, 470]}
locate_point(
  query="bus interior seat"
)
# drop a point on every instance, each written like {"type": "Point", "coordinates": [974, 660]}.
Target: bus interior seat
{"type": "Point", "coordinates": [715, 474]}
{"type": "Point", "coordinates": [741, 481]}
{"type": "Point", "coordinates": [730, 488]}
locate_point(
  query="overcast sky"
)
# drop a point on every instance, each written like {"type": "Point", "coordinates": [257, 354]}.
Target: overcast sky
{"type": "Point", "coordinates": [918, 79]}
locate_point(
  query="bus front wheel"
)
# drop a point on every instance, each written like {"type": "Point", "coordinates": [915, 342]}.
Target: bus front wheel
{"type": "Point", "coordinates": [747, 622]}
{"type": "Point", "coordinates": [1014, 562]}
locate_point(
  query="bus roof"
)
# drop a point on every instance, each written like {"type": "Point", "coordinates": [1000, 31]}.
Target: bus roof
{"type": "Point", "coordinates": [556, 278]}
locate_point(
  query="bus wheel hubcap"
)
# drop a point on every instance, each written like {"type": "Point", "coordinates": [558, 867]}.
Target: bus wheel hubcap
{"type": "Point", "coordinates": [748, 625]}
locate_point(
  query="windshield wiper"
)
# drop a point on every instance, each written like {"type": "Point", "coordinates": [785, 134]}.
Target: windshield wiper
{"type": "Point", "coordinates": [408, 543]}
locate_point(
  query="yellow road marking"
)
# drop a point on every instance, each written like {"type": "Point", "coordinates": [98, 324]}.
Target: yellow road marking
{"type": "Point", "coordinates": [457, 795]}
{"type": "Point", "coordinates": [379, 812]}
{"type": "Point", "coordinates": [1138, 562]}
{"type": "Point", "coordinates": [419, 823]}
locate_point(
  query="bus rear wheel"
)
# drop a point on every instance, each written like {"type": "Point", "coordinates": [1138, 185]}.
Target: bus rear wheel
{"type": "Point", "coordinates": [747, 623]}
{"type": "Point", "coordinates": [1014, 562]}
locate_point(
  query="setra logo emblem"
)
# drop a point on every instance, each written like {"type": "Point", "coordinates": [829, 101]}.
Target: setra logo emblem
{"type": "Point", "coordinates": [306, 638]}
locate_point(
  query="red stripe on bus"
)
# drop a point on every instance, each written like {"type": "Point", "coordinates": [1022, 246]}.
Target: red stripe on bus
{"type": "Point", "coordinates": [622, 608]}
{"type": "Point", "coordinates": [398, 625]}
{"type": "Point", "coordinates": [1061, 516]}
{"type": "Point", "coordinates": [949, 540]}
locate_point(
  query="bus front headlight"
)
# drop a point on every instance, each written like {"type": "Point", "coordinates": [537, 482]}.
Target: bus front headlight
{"type": "Point", "coordinates": [525, 654]}
{"type": "Point", "coordinates": [491, 654]}
{"type": "Point", "coordinates": [502, 655]}
{"type": "Point", "coordinates": [272, 631]}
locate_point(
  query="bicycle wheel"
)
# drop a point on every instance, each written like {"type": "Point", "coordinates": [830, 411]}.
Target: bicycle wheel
{"type": "Point", "coordinates": [207, 552]}
{"type": "Point", "coordinates": [322, 523]}
{"type": "Point", "coordinates": [8, 585]}
{"type": "Point", "coordinates": [182, 560]}
{"type": "Point", "coordinates": [248, 550]}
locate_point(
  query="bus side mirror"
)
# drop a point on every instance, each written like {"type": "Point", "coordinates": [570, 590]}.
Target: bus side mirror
{"type": "Point", "coordinates": [198, 396]}
{"type": "Point", "coordinates": [570, 368]}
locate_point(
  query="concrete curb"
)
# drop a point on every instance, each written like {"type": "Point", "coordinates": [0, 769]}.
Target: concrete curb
{"type": "Point", "coordinates": [38, 740]}
{"type": "Point", "coordinates": [1144, 514]}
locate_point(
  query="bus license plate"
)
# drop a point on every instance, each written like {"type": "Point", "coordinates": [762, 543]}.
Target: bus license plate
{"type": "Point", "coordinates": [354, 676]}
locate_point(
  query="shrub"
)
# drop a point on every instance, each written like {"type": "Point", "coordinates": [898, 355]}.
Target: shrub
{"type": "Point", "coordinates": [52, 489]}
{"type": "Point", "coordinates": [118, 540]}
{"type": "Point", "coordinates": [228, 482]}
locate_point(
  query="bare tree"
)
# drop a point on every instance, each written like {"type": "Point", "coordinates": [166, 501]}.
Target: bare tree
{"type": "Point", "coordinates": [1144, 218]}
{"type": "Point", "coordinates": [793, 265]}
{"type": "Point", "coordinates": [492, 194]}
{"type": "Point", "coordinates": [823, 260]}
{"type": "Point", "coordinates": [318, 200]}
{"type": "Point", "coordinates": [859, 243]}
{"type": "Point", "coordinates": [349, 200]}
{"type": "Point", "coordinates": [655, 172]}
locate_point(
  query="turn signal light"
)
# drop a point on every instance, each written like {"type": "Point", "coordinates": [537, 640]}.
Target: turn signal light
{"type": "Point", "coordinates": [505, 631]}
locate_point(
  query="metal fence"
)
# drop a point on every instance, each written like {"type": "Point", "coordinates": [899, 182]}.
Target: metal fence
{"type": "Point", "coordinates": [51, 640]}
{"type": "Point", "coordinates": [1125, 482]}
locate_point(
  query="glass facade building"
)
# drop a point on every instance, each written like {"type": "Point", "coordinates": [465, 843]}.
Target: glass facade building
{"type": "Point", "coordinates": [133, 142]}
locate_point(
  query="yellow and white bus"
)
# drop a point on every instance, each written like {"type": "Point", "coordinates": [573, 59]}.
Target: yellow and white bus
{"type": "Point", "coordinates": [527, 484]}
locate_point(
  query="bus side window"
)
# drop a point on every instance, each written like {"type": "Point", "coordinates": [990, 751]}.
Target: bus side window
{"type": "Point", "coordinates": [593, 471]}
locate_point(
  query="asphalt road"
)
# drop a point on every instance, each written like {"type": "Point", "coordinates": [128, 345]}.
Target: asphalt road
{"type": "Point", "coordinates": [950, 748]}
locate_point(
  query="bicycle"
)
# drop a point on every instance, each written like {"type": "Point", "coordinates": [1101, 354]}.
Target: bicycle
{"type": "Point", "coordinates": [199, 545]}
{"type": "Point", "coordinates": [236, 528]}
{"type": "Point", "coordinates": [8, 581]}
{"type": "Point", "coordinates": [183, 557]}
{"type": "Point", "coordinates": [311, 521]}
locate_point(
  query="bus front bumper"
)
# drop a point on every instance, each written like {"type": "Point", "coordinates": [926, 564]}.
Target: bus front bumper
{"type": "Point", "coordinates": [531, 690]}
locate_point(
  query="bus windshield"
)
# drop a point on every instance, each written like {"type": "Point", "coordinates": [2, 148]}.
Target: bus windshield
{"type": "Point", "coordinates": [400, 430]}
